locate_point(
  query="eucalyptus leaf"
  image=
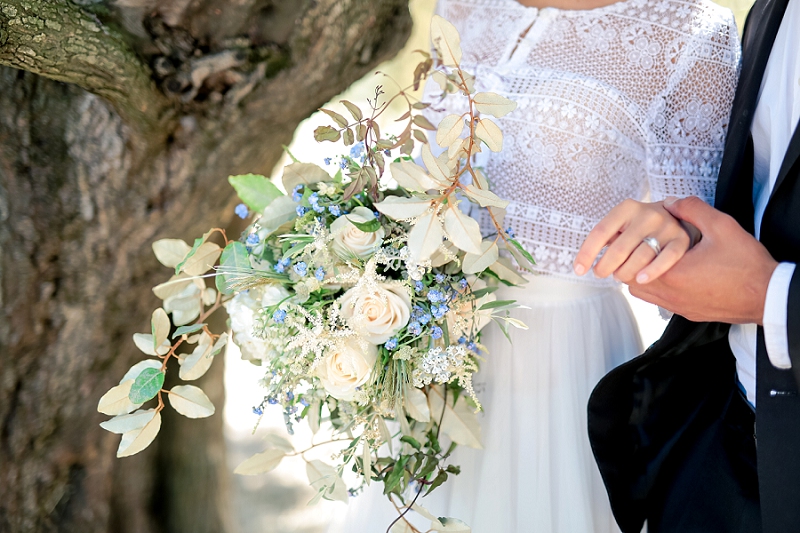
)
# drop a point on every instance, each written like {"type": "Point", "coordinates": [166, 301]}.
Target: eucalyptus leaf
{"type": "Point", "coordinates": [234, 256]}
{"type": "Point", "coordinates": [185, 330]}
{"type": "Point", "coordinates": [170, 252]}
{"type": "Point", "coordinates": [489, 133]}
{"type": "Point", "coordinates": [190, 401]}
{"type": "Point", "coordinates": [256, 191]}
{"type": "Point", "coordinates": [146, 386]}
{"type": "Point", "coordinates": [261, 463]}
{"type": "Point", "coordinates": [495, 304]}
{"type": "Point", "coordinates": [370, 226]}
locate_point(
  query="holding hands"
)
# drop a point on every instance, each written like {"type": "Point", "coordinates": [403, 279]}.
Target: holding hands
{"type": "Point", "coordinates": [723, 278]}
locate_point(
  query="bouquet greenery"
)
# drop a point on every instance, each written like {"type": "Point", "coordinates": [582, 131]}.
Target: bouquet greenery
{"type": "Point", "coordinates": [361, 296]}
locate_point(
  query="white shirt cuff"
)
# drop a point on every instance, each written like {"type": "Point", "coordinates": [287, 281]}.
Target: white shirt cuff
{"type": "Point", "coordinates": [775, 316]}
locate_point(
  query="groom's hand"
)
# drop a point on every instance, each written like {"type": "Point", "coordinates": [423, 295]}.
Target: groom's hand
{"type": "Point", "coordinates": [724, 278]}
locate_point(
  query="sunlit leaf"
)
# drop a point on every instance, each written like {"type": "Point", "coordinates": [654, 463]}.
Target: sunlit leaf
{"type": "Point", "coordinates": [506, 272]}
{"type": "Point", "coordinates": [125, 423]}
{"type": "Point", "coordinates": [190, 401]}
{"type": "Point", "coordinates": [173, 287]}
{"type": "Point", "coordinates": [366, 462]}
{"type": "Point", "coordinates": [279, 442]}
{"type": "Point", "coordinates": [401, 208]}
{"type": "Point", "coordinates": [446, 41]}
{"type": "Point", "coordinates": [438, 169]}
{"type": "Point", "coordinates": [234, 256]}
{"type": "Point", "coordinates": [458, 422]}
{"type": "Point", "coordinates": [321, 475]}
{"type": "Point", "coordinates": [203, 259]}
{"type": "Point", "coordinates": [449, 130]}
{"type": "Point", "coordinates": [136, 369]}
{"type": "Point", "coordinates": [412, 177]}
{"type": "Point", "coordinates": [170, 252]}
{"type": "Point", "coordinates": [475, 263]}
{"type": "Point", "coordinates": [494, 104]}
{"type": "Point", "coordinates": [489, 133]}
{"type": "Point", "coordinates": [116, 402]}
{"type": "Point", "coordinates": [425, 237]}
{"type": "Point", "coordinates": [146, 385]}
{"type": "Point", "coordinates": [279, 212]}
{"type": "Point", "coordinates": [483, 197]}
{"type": "Point", "coordinates": [197, 363]}
{"type": "Point", "coordinates": [159, 324]}
{"type": "Point", "coordinates": [144, 341]}
{"type": "Point", "coordinates": [303, 174]}
{"type": "Point", "coordinates": [261, 463]}
{"type": "Point", "coordinates": [424, 123]}
{"type": "Point", "coordinates": [463, 230]}
{"type": "Point", "coordinates": [256, 191]}
{"type": "Point", "coordinates": [523, 258]}
{"type": "Point", "coordinates": [136, 440]}
{"type": "Point", "coordinates": [416, 403]}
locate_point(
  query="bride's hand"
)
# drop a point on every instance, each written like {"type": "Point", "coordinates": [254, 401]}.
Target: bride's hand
{"type": "Point", "coordinates": [628, 257]}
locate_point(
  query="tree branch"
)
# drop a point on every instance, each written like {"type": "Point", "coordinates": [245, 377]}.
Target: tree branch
{"type": "Point", "coordinates": [58, 40]}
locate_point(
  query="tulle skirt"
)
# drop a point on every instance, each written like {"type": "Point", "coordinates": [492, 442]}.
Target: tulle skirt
{"type": "Point", "coordinates": [536, 472]}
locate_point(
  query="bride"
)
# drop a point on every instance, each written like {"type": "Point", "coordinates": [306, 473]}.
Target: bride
{"type": "Point", "coordinates": [615, 100]}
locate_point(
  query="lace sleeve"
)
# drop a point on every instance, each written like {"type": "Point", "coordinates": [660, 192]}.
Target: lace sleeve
{"type": "Point", "coordinates": [689, 119]}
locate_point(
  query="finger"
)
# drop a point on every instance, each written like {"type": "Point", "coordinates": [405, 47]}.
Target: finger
{"type": "Point", "coordinates": [642, 256]}
{"type": "Point", "coordinates": [620, 251]}
{"type": "Point", "coordinates": [605, 232]}
{"type": "Point", "coordinates": [669, 256]}
{"type": "Point", "coordinates": [693, 210]}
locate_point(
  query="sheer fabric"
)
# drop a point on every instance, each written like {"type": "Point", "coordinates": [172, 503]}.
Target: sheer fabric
{"type": "Point", "coordinates": [613, 103]}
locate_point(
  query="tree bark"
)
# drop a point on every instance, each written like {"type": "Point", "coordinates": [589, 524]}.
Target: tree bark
{"type": "Point", "coordinates": [119, 129]}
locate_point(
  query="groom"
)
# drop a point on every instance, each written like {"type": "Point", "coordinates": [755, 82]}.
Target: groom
{"type": "Point", "coordinates": [702, 432]}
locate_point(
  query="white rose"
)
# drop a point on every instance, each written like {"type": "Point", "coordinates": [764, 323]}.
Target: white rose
{"type": "Point", "coordinates": [379, 314]}
{"type": "Point", "coordinates": [349, 241]}
{"type": "Point", "coordinates": [273, 295]}
{"type": "Point", "coordinates": [347, 367]}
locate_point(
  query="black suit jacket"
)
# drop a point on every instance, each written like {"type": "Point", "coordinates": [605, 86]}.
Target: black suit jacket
{"type": "Point", "coordinates": [643, 411]}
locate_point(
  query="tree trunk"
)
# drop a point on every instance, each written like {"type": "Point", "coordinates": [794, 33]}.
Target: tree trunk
{"type": "Point", "coordinates": [119, 128]}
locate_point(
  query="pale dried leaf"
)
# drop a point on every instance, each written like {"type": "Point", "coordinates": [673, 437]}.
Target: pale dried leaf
{"type": "Point", "coordinates": [279, 442]}
{"type": "Point", "coordinates": [125, 423]}
{"type": "Point", "coordinates": [401, 526]}
{"type": "Point", "coordinates": [506, 272]}
{"type": "Point", "coordinates": [261, 463]}
{"type": "Point", "coordinates": [449, 130]}
{"type": "Point", "coordinates": [483, 197]}
{"type": "Point", "coordinates": [450, 525]}
{"type": "Point", "coordinates": [446, 41]}
{"type": "Point", "coordinates": [202, 260]}
{"type": "Point", "coordinates": [425, 237]}
{"type": "Point", "coordinates": [463, 230]}
{"type": "Point", "coordinates": [412, 177]}
{"type": "Point", "coordinates": [321, 475]}
{"type": "Point", "coordinates": [416, 404]}
{"type": "Point", "coordinates": [190, 401]}
{"type": "Point", "coordinates": [366, 460]}
{"type": "Point", "coordinates": [313, 417]}
{"type": "Point", "coordinates": [437, 168]}
{"type": "Point", "coordinates": [441, 78]}
{"type": "Point", "coordinates": [116, 402]}
{"type": "Point", "coordinates": [173, 287]}
{"type": "Point", "coordinates": [458, 422]}
{"type": "Point", "coordinates": [159, 323]}
{"type": "Point", "coordinates": [401, 208]}
{"type": "Point", "coordinates": [144, 341]}
{"type": "Point", "coordinates": [493, 104]}
{"type": "Point", "coordinates": [170, 252]}
{"type": "Point", "coordinates": [475, 263]}
{"type": "Point", "coordinates": [489, 133]}
{"type": "Point", "coordinates": [197, 363]}
{"type": "Point", "coordinates": [138, 439]}
{"type": "Point", "coordinates": [303, 174]}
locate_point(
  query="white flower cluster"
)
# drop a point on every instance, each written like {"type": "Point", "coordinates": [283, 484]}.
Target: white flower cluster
{"type": "Point", "coordinates": [439, 365]}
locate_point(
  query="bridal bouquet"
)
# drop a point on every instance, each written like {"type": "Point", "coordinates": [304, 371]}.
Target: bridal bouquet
{"type": "Point", "coordinates": [361, 296]}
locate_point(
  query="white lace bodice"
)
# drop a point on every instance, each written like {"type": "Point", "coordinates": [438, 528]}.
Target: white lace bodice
{"type": "Point", "coordinates": [613, 102]}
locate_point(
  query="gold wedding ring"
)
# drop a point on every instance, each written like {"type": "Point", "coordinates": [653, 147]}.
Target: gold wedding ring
{"type": "Point", "coordinates": [653, 244]}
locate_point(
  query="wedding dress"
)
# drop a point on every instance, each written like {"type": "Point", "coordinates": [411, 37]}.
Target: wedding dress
{"type": "Point", "coordinates": [613, 103]}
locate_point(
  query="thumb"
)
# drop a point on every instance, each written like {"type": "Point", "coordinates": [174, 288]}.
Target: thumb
{"type": "Point", "coordinates": [693, 210]}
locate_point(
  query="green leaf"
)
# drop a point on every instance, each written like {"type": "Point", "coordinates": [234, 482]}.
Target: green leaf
{"type": "Point", "coordinates": [437, 481]}
{"type": "Point", "coordinates": [257, 192]}
{"type": "Point", "coordinates": [523, 258]}
{"type": "Point", "coordinates": [234, 256]}
{"type": "Point", "coordinates": [185, 330]}
{"type": "Point", "coordinates": [495, 304]}
{"type": "Point", "coordinates": [370, 226]}
{"type": "Point", "coordinates": [414, 443]}
{"type": "Point", "coordinates": [197, 244]}
{"type": "Point", "coordinates": [146, 385]}
{"type": "Point", "coordinates": [484, 291]}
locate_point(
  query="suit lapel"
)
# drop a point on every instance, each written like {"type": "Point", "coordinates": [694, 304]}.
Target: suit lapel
{"type": "Point", "coordinates": [735, 184]}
